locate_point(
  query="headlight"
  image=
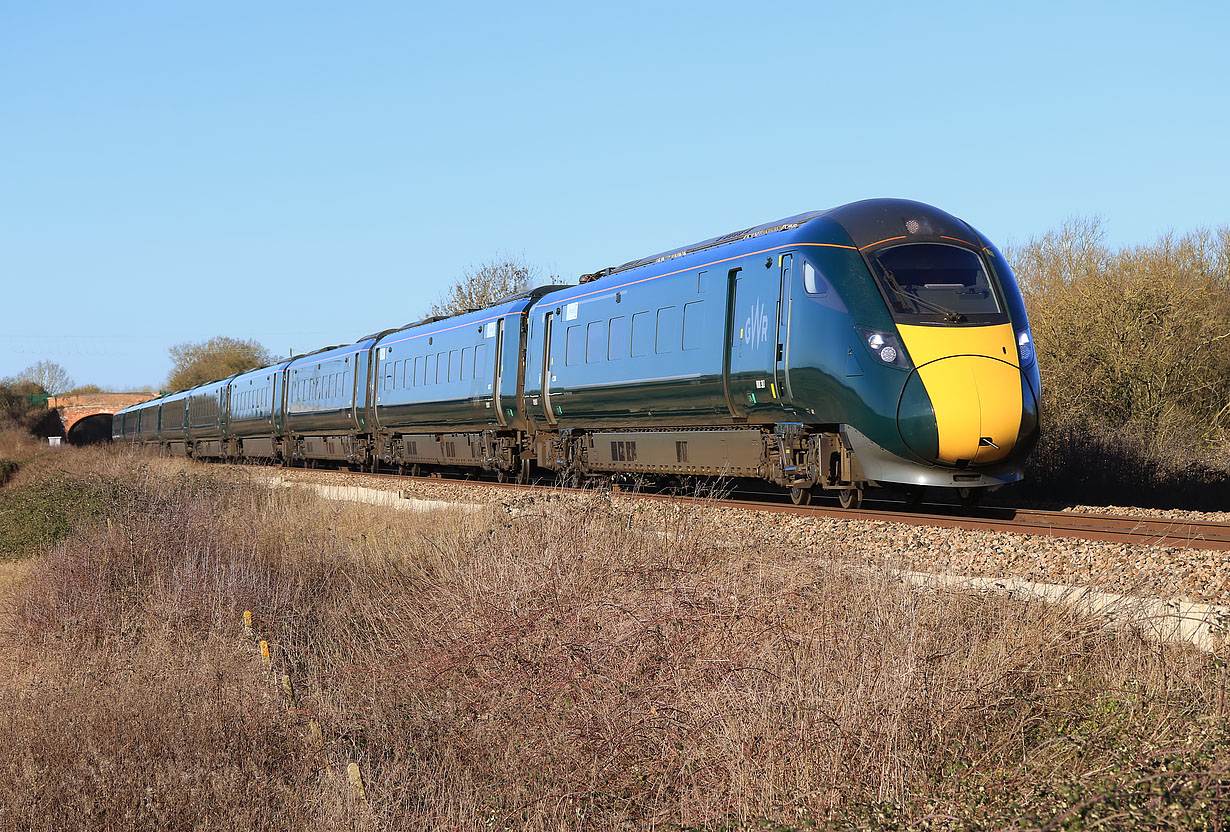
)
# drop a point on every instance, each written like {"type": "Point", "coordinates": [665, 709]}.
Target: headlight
{"type": "Point", "coordinates": [1025, 348]}
{"type": "Point", "coordinates": [885, 346]}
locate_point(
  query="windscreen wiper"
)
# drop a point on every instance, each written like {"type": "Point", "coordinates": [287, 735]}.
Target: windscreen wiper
{"type": "Point", "coordinates": [950, 315]}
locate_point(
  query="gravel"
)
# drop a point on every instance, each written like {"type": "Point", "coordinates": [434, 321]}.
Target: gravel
{"type": "Point", "coordinates": [1184, 574]}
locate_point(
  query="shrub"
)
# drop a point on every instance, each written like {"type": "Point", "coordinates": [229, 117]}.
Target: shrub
{"type": "Point", "coordinates": [1133, 346]}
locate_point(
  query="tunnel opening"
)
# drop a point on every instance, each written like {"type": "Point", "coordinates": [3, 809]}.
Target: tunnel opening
{"type": "Point", "coordinates": [91, 430]}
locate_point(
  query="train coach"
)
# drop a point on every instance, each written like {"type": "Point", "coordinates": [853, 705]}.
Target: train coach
{"type": "Point", "coordinates": [884, 342]}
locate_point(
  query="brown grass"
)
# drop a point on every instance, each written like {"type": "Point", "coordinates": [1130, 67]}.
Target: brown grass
{"type": "Point", "coordinates": [560, 663]}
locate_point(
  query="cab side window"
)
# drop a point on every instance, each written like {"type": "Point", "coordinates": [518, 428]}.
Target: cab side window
{"type": "Point", "coordinates": [813, 282]}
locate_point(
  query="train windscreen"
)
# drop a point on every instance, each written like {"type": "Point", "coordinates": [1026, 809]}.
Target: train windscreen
{"type": "Point", "coordinates": [937, 283]}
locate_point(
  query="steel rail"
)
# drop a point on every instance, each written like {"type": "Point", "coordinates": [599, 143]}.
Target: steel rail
{"type": "Point", "coordinates": [1174, 533]}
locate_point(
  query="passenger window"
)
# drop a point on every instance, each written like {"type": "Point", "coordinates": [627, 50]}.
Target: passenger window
{"type": "Point", "coordinates": [617, 338]}
{"type": "Point", "coordinates": [429, 371]}
{"type": "Point", "coordinates": [441, 367]}
{"type": "Point", "coordinates": [467, 363]}
{"type": "Point", "coordinates": [667, 330]}
{"type": "Point", "coordinates": [642, 334]}
{"type": "Point", "coordinates": [693, 325]}
{"type": "Point", "coordinates": [480, 361]}
{"type": "Point", "coordinates": [812, 281]}
{"type": "Point", "coordinates": [454, 366]}
{"type": "Point", "coordinates": [574, 348]}
{"type": "Point", "coordinates": [595, 349]}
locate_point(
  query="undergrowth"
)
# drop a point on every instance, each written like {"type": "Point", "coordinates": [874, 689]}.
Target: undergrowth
{"type": "Point", "coordinates": [560, 663]}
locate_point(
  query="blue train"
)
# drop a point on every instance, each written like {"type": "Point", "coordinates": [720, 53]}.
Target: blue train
{"type": "Point", "coordinates": [884, 342]}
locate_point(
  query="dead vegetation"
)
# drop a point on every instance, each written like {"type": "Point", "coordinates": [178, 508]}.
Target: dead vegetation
{"type": "Point", "coordinates": [1133, 346]}
{"type": "Point", "coordinates": [561, 663]}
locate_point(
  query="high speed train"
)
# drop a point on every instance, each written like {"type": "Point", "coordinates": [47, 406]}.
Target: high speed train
{"type": "Point", "coordinates": [880, 343]}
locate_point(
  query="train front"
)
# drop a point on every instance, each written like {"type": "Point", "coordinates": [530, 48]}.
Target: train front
{"type": "Point", "coordinates": [951, 367]}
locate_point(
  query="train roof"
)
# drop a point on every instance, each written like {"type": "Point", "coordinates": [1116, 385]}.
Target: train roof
{"type": "Point", "coordinates": [528, 294]}
{"type": "Point", "coordinates": [733, 237]}
{"type": "Point", "coordinates": [868, 222]}
{"type": "Point", "coordinates": [514, 302]}
{"type": "Point", "coordinates": [326, 353]}
{"type": "Point", "coordinates": [256, 371]}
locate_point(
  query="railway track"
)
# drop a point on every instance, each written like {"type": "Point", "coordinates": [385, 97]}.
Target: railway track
{"type": "Point", "coordinates": [1186, 534]}
{"type": "Point", "coordinates": [1139, 531]}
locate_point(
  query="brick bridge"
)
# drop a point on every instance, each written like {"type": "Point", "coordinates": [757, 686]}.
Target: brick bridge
{"type": "Point", "coordinates": [87, 418]}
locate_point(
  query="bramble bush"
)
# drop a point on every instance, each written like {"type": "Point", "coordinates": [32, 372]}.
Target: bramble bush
{"type": "Point", "coordinates": [1133, 346]}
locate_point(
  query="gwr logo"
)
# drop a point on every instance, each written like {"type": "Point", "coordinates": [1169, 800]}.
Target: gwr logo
{"type": "Point", "coordinates": [756, 327]}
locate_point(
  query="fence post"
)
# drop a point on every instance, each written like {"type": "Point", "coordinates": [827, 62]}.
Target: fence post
{"type": "Point", "coordinates": [316, 737]}
{"type": "Point", "coordinates": [289, 690]}
{"type": "Point", "coordinates": [356, 783]}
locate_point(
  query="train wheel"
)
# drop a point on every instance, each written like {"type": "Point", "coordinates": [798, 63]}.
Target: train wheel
{"type": "Point", "coordinates": [501, 475]}
{"type": "Point", "coordinates": [970, 497]}
{"type": "Point", "coordinates": [914, 496]}
{"type": "Point", "coordinates": [850, 497]}
{"type": "Point", "coordinates": [523, 476]}
{"type": "Point", "coordinates": [800, 496]}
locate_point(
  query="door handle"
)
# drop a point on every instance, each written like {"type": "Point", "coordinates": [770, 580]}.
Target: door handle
{"type": "Point", "coordinates": [780, 349]}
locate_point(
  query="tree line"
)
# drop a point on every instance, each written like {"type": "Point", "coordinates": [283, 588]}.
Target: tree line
{"type": "Point", "coordinates": [1133, 345]}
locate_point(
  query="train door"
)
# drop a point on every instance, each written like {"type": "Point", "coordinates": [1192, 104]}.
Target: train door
{"type": "Point", "coordinates": [548, 367]}
{"type": "Point", "coordinates": [277, 403]}
{"type": "Point", "coordinates": [363, 368]}
{"type": "Point", "coordinates": [751, 337]}
{"type": "Point", "coordinates": [497, 390]}
{"type": "Point", "coordinates": [781, 371]}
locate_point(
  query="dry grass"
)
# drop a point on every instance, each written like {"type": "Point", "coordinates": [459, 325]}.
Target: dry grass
{"type": "Point", "coordinates": [559, 664]}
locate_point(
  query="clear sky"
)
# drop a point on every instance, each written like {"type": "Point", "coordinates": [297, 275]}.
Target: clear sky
{"type": "Point", "coordinates": [305, 173]}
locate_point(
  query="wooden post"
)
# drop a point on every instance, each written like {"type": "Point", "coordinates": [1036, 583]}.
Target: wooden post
{"type": "Point", "coordinates": [289, 690]}
{"type": "Point", "coordinates": [247, 623]}
{"type": "Point", "coordinates": [356, 783]}
{"type": "Point", "coordinates": [265, 654]}
{"type": "Point", "coordinates": [316, 738]}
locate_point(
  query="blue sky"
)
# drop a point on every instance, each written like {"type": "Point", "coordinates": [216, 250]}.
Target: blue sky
{"type": "Point", "coordinates": [305, 173]}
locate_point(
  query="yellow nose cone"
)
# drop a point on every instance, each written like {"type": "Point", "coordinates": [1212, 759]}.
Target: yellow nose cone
{"type": "Point", "coordinates": [974, 383]}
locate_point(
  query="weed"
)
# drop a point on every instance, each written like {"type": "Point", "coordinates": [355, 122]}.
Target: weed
{"type": "Point", "coordinates": [565, 662]}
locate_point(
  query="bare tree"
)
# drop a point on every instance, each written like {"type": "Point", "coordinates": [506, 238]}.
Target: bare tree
{"type": "Point", "coordinates": [48, 375]}
{"type": "Point", "coordinates": [483, 285]}
{"type": "Point", "coordinates": [217, 358]}
{"type": "Point", "coordinates": [1135, 336]}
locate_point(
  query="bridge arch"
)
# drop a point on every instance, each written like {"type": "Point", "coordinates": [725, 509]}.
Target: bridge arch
{"type": "Point", "coordinates": [86, 418]}
{"type": "Point", "coordinates": [90, 430]}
